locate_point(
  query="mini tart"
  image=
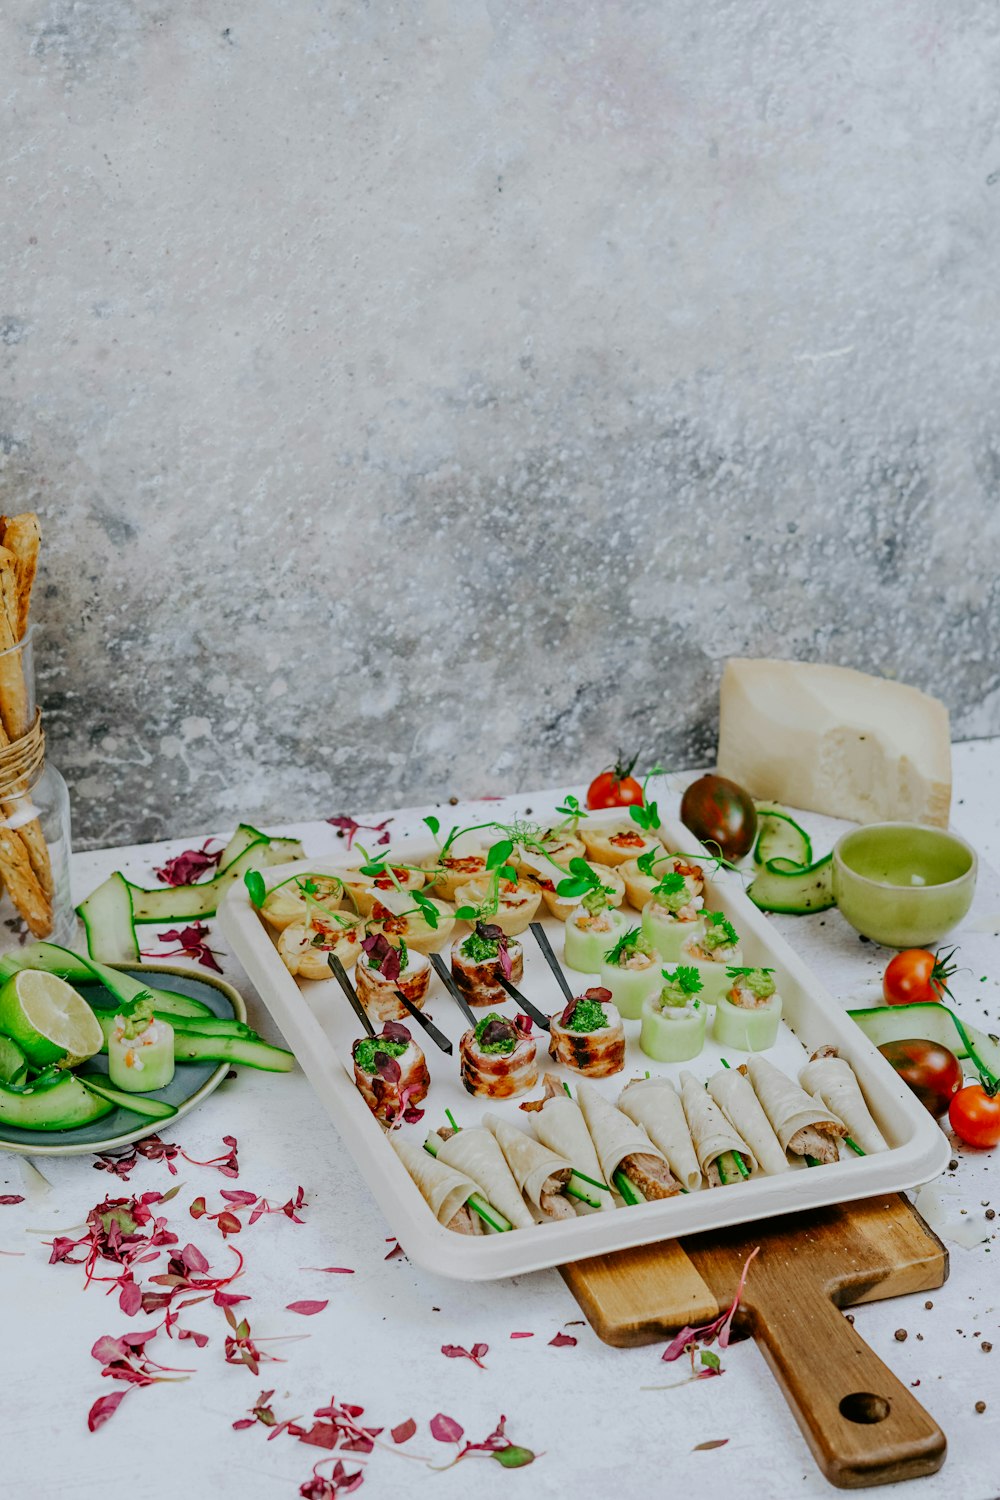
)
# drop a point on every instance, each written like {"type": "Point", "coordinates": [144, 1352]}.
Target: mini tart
{"type": "Point", "coordinates": [305, 949]}
{"type": "Point", "coordinates": [480, 981]}
{"type": "Point", "coordinates": [517, 905]}
{"type": "Point", "coordinates": [362, 891]}
{"type": "Point", "coordinates": [288, 902]}
{"type": "Point", "coordinates": [377, 994]}
{"type": "Point", "coordinates": [598, 1053]}
{"type": "Point", "coordinates": [559, 848]}
{"type": "Point", "coordinates": [589, 936]}
{"type": "Point", "coordinates": [444, 876]}
{"type": "Point", "coordinates": [613, 845]}
{"type": "Point", "coordinates": [639, 887]}
{"type": "Point", "coordinates": [396, 917]}
{"type": "Point", "coordinates": [562, 906]}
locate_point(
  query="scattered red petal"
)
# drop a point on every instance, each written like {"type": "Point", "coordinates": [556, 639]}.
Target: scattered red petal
{"type": "Point", "coordinates": [396, 1250]}
{"type": "Point", "coordinates": [307, 1309]}
{"type": "Point", "coordinates": [334, 1270]}
{"type": "Point", "coordinates": [8, 1198]}
{"type": "Point", "coordinates": [713, 1443]}
{"type": "Point", "coordinates": [562, 1340]}
{"type": "Point", "coordinates": [404, 1431]}
{"type": "Point", "coordinates": [455, 1351]}
{"type": "Point", "coordinates": [193, 944]}
{"type": "Point", "coordinates": [104, 1408]}
{"type": "Point", "coordinates": [522, 1335]}
{"type": "Point", "coordinates": [350, 827]}
{"type": "Point", "coordinates": [446, 1429]}
{"type": "Point", "coordinates": [190, 865]}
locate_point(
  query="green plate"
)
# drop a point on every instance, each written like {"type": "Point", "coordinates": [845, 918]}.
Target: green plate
{"type": "Point", "coordinates": [191, 1083]}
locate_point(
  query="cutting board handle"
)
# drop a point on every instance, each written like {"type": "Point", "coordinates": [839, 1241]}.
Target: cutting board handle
{"type": "Point", "coordinates": [864, 1427]}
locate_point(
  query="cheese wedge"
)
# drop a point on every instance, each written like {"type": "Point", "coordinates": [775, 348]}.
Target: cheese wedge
{"type": "Point", "coordinates": [835, 741]}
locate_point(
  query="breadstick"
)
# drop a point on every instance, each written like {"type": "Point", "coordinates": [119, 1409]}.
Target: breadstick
{"type": "Point", "coordinates": [13, 691]}
{"type": "Point", "coordinates": [22, 535]}
{"type": "Point", "coordinates": [25, 891]}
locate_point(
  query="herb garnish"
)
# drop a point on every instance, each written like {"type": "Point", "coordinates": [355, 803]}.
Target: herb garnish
{"type": "Point", "coordinates": [631, 942]}
{"type": "Point", "coordinates": [759, 982]}
{"type": "Point", "coordinates": [584, 882]}
{"type": "Point", "coordinates": [680, 985]}
{"type": "Point", "coordinates": [671, 892]}
{"type": "Point", "coordinates": [487, 941]}
{"type": "Point", "coordinates": [368, 1050]}
{"type": "Point", "coordinates": [498, 868]}
{"type": "Point", "coordinates": [383, 957]}
{"type": "Point", "coordinates": [646, 813]}
{"type": "Point", "coordinates": [256, 889]}
{"type": "Point", "coordinates": [136, 1015]}
{"type": "Point", "coordinates": [719, 932]}
{"type": "Point", "coordinates": [495, 1034]}
{"type": "Point", "coordinates": [571, 812]}
{"type": "Point", "coordinates": [586, 1012]}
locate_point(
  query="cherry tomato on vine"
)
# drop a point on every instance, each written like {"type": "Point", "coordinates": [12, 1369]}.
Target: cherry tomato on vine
{"type": "Point", "coordinates": [717, 811]}
{"type": "Point", "coordinates": [615, 787]}
{"type": "Point", "coordinates": [916, 977]}
{"type": "Point", "coordinates": [930, 1070]}
{"type": "Point", "coordinates": [974, 1116]}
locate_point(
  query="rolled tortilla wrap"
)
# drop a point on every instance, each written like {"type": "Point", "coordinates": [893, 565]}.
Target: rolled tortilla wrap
{"type": "Point", "coordinates": [531, 1163]}
{"type": "Point", "coordinates": [655, 1104]}
{"type": "Point", "coordinates": [614, 1134]}
{"type": "Point", "coordinates": [733, 1093]}
{"type": "Point", "coordinates": [560, 1125]}
{"type": "Point", "coordinates": [476, 1153]}
{"type": "Point", "coordinates": [788, 1107]}
{"type": "Point", "coordinates": [445, 1189]}
{"type": "Point", "coordinates": [711, 1132]}
{"type": "Point", "coordinates": [832, 1080]}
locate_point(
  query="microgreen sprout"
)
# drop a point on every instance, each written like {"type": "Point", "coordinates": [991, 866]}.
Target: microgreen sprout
{"type": "Point", "coordinates": [571, 812]}
{"type": "Point", "coordinates": [645, 813]}
{"type": "Point", "coordinates": [257, 891]}
{"type": "Point", "coordinates": [584, 882]}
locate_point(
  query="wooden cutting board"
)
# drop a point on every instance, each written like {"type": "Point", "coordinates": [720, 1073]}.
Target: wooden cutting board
{"type": "Point", "coordinates": [864, 1427]}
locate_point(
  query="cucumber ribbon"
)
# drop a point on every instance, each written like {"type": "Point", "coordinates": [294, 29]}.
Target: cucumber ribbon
{"type": "Point", "coordinates": [934, 1023]}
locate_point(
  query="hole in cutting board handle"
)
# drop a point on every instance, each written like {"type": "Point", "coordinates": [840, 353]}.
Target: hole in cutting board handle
{"type": "Point", "coordinates": [864, 1406]}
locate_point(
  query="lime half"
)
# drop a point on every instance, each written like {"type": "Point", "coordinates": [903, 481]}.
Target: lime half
{"type": "Point", "coordinates": [48, 1020]}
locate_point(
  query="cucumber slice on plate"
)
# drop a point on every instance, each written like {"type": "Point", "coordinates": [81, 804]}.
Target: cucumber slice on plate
{"type": "Point", "coordinates": [77, 969]}
{"type": "Point", "coordinates": [780, 837]}
{"type": "Point", "coordinates": [785, 886]}
{"type": "Point", "coordinates": [56, 1100]}
{"type": "Point", "coordinates": [139, 1104]}
{"type": "Point", "coordinates": [109, 921]}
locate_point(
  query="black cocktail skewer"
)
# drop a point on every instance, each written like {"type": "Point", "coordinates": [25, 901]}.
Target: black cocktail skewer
{"type": "Point", "coordinates": [443, 973]}
{"type": "Point", "coordinates": [538, 1016]}
{"type": "Point", "coordinates": [424, 1021]}
{"type": "Point", "coordinates": [538, 933]}
{"type": "Point", "coordinates": [343, 979]}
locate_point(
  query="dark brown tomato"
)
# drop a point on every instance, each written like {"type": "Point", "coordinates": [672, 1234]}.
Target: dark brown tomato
{"type": "Point", "coordinates": [717, 811]}
{"type": "Point", "coordinates": [930, 1070]}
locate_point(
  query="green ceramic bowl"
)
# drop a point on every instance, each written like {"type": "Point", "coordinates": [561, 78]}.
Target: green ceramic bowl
{"type": "Point", "coordinates": [903, 884]}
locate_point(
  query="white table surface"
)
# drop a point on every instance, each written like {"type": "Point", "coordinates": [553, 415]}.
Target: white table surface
{"type": "Point", "coordinates": [583, 1409]}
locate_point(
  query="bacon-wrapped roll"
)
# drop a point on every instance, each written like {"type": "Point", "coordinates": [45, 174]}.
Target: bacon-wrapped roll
{"type": "Point", "coordinates": [498, 1058]}
{"type": "Point", "coordinates": [478, 961]}
{"type": "Point", "coordinates": [391, 1073]}
{"type": "Point", "coordinates": [588, 1035]}
{"type": "Point", "coordinates": [383, 969]}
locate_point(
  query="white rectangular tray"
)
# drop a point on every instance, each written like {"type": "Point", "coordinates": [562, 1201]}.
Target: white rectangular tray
{"type": "Point", "coordinates": [320, 1026]}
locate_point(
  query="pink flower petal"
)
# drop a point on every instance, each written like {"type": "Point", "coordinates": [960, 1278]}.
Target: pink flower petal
{"type": "Point", "coordinates": [562, 1341]}
{"type": "Point", "coordinates": [404, 1431]}
{"type": "Point", "coordinates": [446, 1429]}
{"type": "Point", "coordinates": [334, 1270]}
{"type": "Point", "coordinates": [307, 1309]}
{"type": "Point", "coordinates": [522, 1335]}
{"type": "Point", "coordinates": [104, 1408]}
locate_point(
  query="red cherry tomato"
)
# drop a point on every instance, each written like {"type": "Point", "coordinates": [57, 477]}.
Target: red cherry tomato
{"type": "Point", "coordinates": [930, 1070]}
{"type": "Point", "coordinates": [974, 1115]}
{"type": "Point", "coordinates": [916, 977]}
{"type": "Point", "coordinates": [616, 787]}
{"type": "Point", "coordinates": [717, 811]}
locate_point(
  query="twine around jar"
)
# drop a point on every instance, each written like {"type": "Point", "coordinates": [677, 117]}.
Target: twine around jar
{"type": "Point", "coordinates": [22, 760]}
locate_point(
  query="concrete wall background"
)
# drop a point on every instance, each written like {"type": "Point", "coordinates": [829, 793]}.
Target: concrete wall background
{"type": "Point", "coordinates": [427, 398]}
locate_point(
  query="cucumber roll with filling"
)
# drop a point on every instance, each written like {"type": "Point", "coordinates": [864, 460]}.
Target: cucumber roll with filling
{"type": "Point", "coordinates": [673, 1018]}
{"type": "Point", "coordinates": [711, 951]}
{"type": "Point", "coordinates": [748, 1015]}
{"type": "Point", "coordinates": [672, 915]}
{"type": "Point", "coordinates": [630, 972]}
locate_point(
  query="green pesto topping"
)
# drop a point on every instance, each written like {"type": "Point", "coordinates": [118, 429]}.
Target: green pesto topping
{"type": "Point", "coordinates": [671, 892]}
{"type": "Point", "coordinates": [587, 1015]}
{"type": "Point", "coordinates": [136, 1015]}
{"type": "Point", "coordinates": [367, 1049]}
{"type": "Point", "coordinates": [632, 942]}
{"type": "Point", "coordinates": [760, 982]}
{"type": "Point", "coordinates": [719, 932]}
{"type": "Point", "coordinates": [479, 949]}
{"type": "Point", "coordinates": [680, 986]}
{"type": "Point", "coordinates": [597, 899]}
{"type": "Point", "coordinates": [495, 1034]}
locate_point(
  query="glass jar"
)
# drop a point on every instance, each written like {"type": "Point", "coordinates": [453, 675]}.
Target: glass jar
{"type": "Point", "coordinates": [34, 815]}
